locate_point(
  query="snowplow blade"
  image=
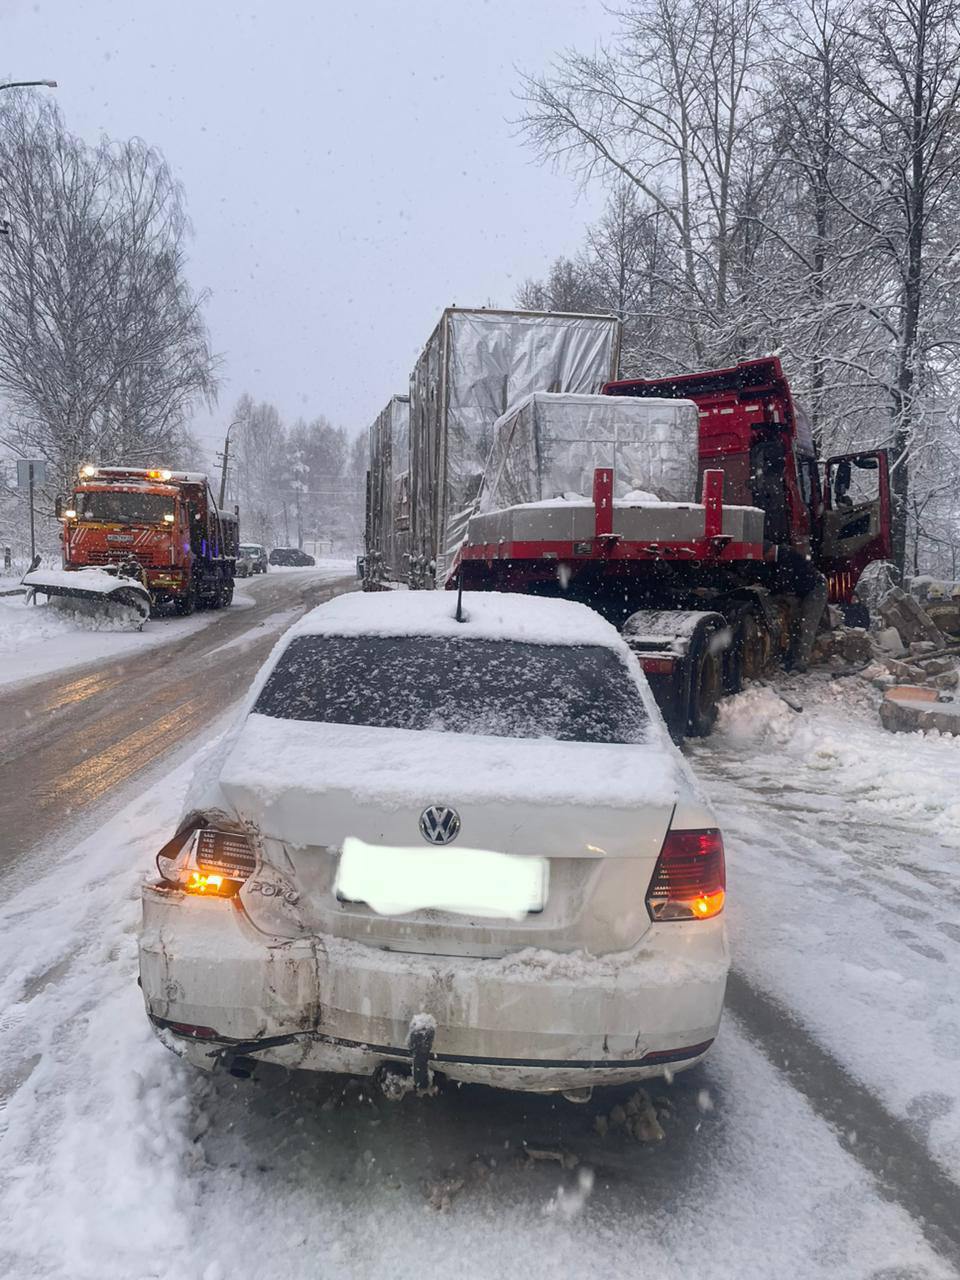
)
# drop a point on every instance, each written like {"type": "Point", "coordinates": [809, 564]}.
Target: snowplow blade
{"type": "Point", "coordinates": [93, 592]}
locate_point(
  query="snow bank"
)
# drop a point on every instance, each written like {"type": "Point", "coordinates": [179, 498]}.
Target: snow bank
{"type": "Point", "coordinates": [37, 640]}
{"type": "Point", "coordinates": [911, 777]}
{"type": "Point", "coordinates": [23, 623]}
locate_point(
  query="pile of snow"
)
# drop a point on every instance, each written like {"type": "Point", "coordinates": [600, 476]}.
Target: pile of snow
{"type": "Point", "coordinates": [837, 744]}
{"type": "Point", "coordinates": [23, 624]}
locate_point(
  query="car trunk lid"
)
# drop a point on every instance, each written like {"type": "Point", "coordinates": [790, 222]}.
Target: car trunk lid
{"type": "Point", "coordinates": [596, 813]}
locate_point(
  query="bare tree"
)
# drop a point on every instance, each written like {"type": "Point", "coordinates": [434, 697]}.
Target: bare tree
{"type": "Point", "coordinates": [103, 350]}
{"type": "Point", "coordinates": [568, 287]}
{"type": "Point", "coordinates": [259, 448]}
{"type": "Point", "coordinates": [904, 142]}
{"type": "Point", "coordinates": [665, 111]}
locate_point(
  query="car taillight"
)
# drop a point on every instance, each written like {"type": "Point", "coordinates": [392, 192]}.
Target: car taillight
{"type": "Point", "coordinates": [207, 860]}
{"type": "Point", "coordinates": [690, 881]}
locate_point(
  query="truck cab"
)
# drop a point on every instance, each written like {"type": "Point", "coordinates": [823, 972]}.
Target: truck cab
{"type": "Point", "coordinates": [752, 431]}
{"type": "Point", "coordinates": [165, 522]}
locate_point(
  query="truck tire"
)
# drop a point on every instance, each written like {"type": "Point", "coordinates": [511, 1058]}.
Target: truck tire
{"type": "Point", "coordinates": [706, 685]}
{"type": "Point", "coordinates": [226, 593]}
{"type": "Point", "coordinates": [754, 646]}
{"type": "Point", "coordinates": [184, 605]}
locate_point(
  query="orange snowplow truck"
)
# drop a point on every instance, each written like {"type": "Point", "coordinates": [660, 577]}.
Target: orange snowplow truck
{"type": "Point", "coordinates": [165, 522]}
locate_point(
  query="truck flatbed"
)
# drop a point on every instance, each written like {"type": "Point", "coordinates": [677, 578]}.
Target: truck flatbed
{"type": "Point", "coordinates": [567, 530]}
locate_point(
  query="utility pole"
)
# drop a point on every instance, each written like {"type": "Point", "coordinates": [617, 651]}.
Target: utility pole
{"type": "Point", "coordinates": [226, 458]}
{"type": "Point", "coordinates": [223, 470]}
{"type": "Point", "coordinates": [33, 535]}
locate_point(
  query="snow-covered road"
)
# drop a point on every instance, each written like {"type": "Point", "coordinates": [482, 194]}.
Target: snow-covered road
{"type": "Point", "coordinates": [819, 1132]}
{"type": "Point", "coordinates": [844, 845]}
{"type": "Point", "coordinates": [71, 741]}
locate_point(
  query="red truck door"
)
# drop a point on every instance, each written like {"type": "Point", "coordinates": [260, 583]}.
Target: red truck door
{"type": "Point", "coordinates": [856, 518]}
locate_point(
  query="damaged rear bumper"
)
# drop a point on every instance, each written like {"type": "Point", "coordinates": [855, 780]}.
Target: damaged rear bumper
{"type": "Point", "coordinates": [538, 1021]}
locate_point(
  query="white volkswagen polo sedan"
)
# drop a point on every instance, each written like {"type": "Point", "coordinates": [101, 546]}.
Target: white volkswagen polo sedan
{"type": "Point", "coordinates": [440, 846]}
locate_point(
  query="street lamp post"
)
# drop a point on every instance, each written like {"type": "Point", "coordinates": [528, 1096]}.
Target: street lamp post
{"type": "Point", "coordinates": [30, 84]}
{"type": "Point", "coordinates": [226, 456]}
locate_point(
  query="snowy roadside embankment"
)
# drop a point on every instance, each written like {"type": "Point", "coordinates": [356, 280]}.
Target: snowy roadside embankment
{"type": "Point", "coordinates": [843, 848]}
{"type": "Point", "coordinates": [36, 640]}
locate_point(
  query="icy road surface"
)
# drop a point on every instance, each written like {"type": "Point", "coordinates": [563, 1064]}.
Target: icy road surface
{"type": "Point", "coordinates": [69, 741]}
{"type": "Point", "coordinates": [817, 1140]}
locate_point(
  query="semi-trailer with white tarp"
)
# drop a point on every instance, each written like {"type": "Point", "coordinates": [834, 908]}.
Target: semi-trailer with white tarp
{"type": "Point", "coordinates": [474, 367]}
{"type": "Point", "coordinates": [387, 531]}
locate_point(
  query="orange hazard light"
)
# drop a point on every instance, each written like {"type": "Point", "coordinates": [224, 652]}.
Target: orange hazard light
{"type": "Point", "coordinates": [689, 881]}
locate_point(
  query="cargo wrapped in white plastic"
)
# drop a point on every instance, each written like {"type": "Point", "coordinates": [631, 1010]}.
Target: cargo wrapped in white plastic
{"type": "Point", "coordinates": [548, 446]}
{"type": "Point", "coordinates": [387, 534]}
{"type": "Point", "coordinates": [475, 365]}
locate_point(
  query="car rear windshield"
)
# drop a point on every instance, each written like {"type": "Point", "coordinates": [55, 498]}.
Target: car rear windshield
{"type": "Point", "coordinates": [578, 693]}
{"type": "Point", "coordinates": [122, 507]}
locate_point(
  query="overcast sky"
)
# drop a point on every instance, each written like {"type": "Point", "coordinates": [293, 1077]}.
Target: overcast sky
{"type": "Point", "coordinates": [350, 168]}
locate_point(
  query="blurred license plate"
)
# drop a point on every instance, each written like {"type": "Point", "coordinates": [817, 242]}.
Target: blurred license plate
{"type": "Point", "coordinates": [394, 880]}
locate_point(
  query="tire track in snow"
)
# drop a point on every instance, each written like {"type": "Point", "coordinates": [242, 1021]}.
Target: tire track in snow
{"type": "Point", "coordinates": [887, 1147]}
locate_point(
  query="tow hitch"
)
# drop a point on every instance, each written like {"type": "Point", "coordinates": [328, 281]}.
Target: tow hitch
{"type": "Point", "coordinates": [420, 1035]}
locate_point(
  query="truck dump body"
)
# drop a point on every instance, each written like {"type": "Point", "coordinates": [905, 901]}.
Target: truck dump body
{"type": "Point", "coordinates": [475, 365]}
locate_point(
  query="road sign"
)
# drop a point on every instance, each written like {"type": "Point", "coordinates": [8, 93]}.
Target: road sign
{"type": "Point", "coordinates": [23, 473]}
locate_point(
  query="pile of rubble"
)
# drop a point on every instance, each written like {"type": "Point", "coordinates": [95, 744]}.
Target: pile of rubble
{"type": "Point", "coordinates": [914, 657]}
{"type": "Point", "coordinates": [909, 649]}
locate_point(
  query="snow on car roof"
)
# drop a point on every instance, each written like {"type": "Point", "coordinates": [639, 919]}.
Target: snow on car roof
{"type": "Point", "coordinates": [489, 615]}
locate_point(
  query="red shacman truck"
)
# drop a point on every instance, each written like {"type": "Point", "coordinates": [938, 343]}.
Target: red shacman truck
{"type": "Point", "coordinates": [151, 529]}
{"type": "Point", "coordinates": [708, 586]}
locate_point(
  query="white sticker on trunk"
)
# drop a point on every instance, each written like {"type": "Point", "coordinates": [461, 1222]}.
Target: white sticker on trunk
{"type": "Point", "coordinates": [472, 882]}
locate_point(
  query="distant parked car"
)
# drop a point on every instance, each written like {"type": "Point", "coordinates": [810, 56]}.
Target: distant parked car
{"type": "Point", "coordinates": [290, 556]}
{"type": "Point", "coordinates": [467, 847]}
{"type": "Point", "coordinates": [251, 559]}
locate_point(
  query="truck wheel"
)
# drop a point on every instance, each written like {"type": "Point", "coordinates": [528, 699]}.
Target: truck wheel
{"type": "Point", "coordinates": [754, 647]}
{"type": "Point", "coordinates": [184, 605]}
{"type": "Point", "coordinates": [706, 686]}
{"type": "Point", "coordinates": [226, 593]}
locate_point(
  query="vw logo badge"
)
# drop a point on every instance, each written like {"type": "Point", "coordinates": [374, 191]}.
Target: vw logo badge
{"type": "Point", "coordinates": [439, 824]}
